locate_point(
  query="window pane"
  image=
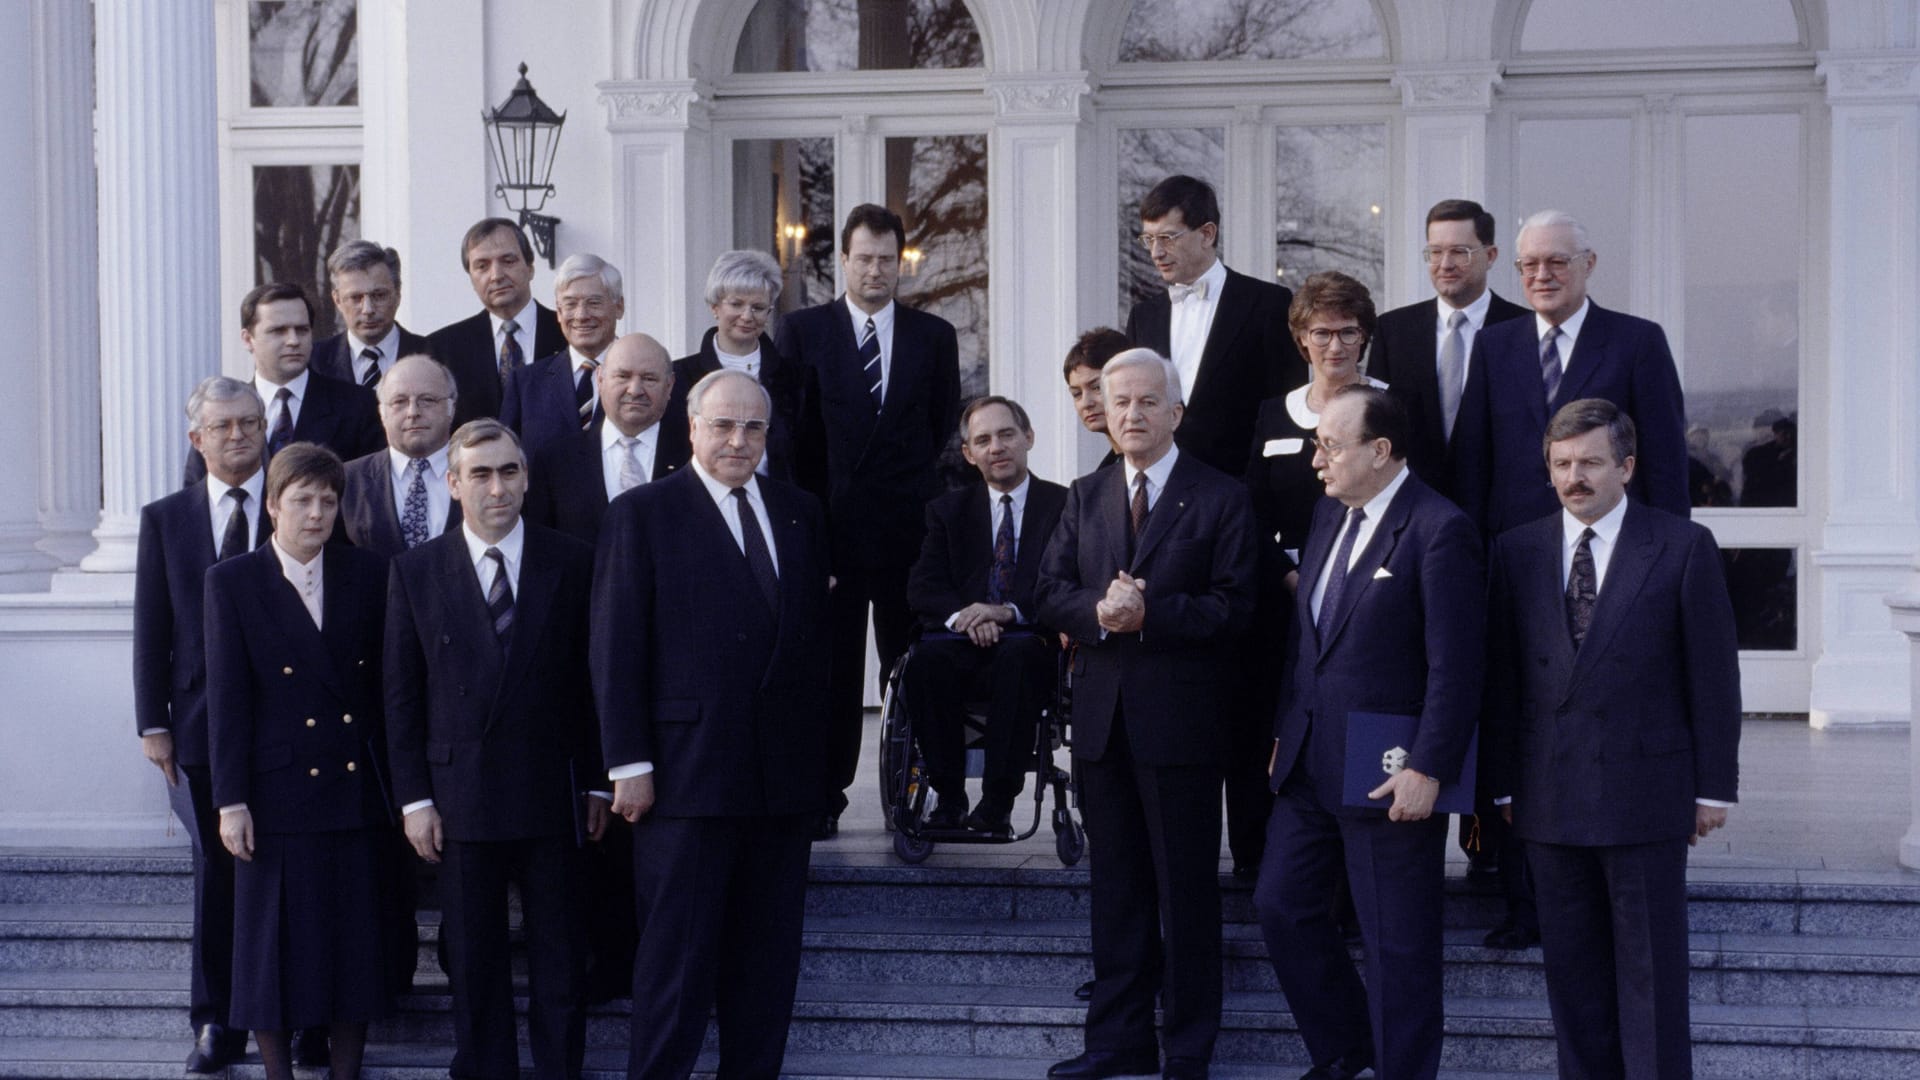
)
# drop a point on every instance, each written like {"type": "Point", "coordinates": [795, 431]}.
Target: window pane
{"type": "Point", "coordinates": [855, 35]}
{"type": "Point", "coordinates": [1741, 251]}
{"type": "Point", "coordinates": [1148, 156]}
{"type": "Point", "coordinates": [300, 214]}
{"type": "Point", "coordinates": [1329, 200]}
{"type": "Point", "coordinates": [938, 186]}
{"type": "Point", "coordinates": [783, 204]}
{"type": "Point", "coordinates": [1765, 587]}
{"type": "Point", "coordinates": [303, 52]}
{"type": "Point", "coordinates": [1159, 30]}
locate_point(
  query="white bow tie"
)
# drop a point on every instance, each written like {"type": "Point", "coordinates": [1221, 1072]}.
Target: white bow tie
{"type": "Point", "coordinates": [1178, 293]}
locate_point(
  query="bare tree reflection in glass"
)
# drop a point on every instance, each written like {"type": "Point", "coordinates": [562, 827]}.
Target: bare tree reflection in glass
{"type": "Point", "coordinates": [1329, 200]}
{"type": "Point", "coordinates": [1171, 30]}
{"type": "Point", "coordinates": [852, 35]}
{"type": "Point", "coordinates": [303, 53]}
{"type": "Point", "coordinates": [300, 213]}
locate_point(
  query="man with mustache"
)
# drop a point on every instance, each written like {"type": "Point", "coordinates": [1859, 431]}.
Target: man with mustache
{"type": "Point", "coordinates": [512, 328]}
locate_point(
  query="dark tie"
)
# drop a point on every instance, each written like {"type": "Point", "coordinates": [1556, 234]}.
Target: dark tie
{"type": "Point", "coordinates": [510, 355]}
{"type": "Point", "coordinates": [1137, 510]}
{"type": "Point", "coordinates": [870, 361]}
{"type": "Point", "coordinates": [282, 432]}
{"type": "Point", "coordinates": [1582, 586]}
{"type": "Point", "coordinates": [1337, 574]}
{"type": "Point", "coordinates": [1550, 368]}
{"type": "Point", "coordinates": [234, 540]}
{"type": "Point", "coordinates": [583, 395]}
{"type": "Point", "coordinates": [1000, 581]}
{"type": "Point", "coordinates": [759, 559]}
{"type": "Point", "coordinates": [1453, 370]}
{"type": "Point", "coordinates": [372, 356]}
{"type": "Point", "coordinates": [413, 516]}
{"type": "Point", "coordinates": [500, 598]}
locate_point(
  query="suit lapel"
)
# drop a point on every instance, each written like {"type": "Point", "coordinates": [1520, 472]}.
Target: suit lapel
{"type": "Point", "coordinates": [467, 605]}
{"type": "Point", "coordinates": [316, 412]}
{"type": "Point", "coordinates": [386, 516]}
{"type": "Point", "coordinates": [1634, 554]}
{"type": "Point", "coordinates": [1033, 541]}
{"type": "Point", "coordinates": [1229, 314]}
{"type": "Point", "coordinates": [532, 602]}
{"type": "Point", "coordinates": [1588, 352]}
{"type": "Point", "coordinates": [1156, 323]}
{"type": "Point", "coordinates": [1113, 510]}
{"type": "Point", "coordinates": [1526, 363]}
{"type": "Point", "coordinates": [340, 615]}
{"type": "Point", "coordinates": [903, 369]}
{"type": "Point", "coordinates": [1167, 509]}
{"type": "Point", "coordinates": [288, 615]}
{"type": "Point", "coordinates": [1380, 546]}
{"type": "Point", "coordinates": [1313, 558]}
{"type": "Point", "coordinates": [1423, 375]}
{"type": "Point", "coordinates": [979, 520]}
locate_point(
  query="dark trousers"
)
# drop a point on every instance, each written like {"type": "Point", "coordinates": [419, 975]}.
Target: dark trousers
{"type": "Point", "coordinates": [1491, 837]}
{"type": "Point", "coordinates": [473, 885]}
{"type": "Point", "coordinates": [212, 981]}
{"type": "Point", "coordinates": [611, 933]}
{"type": "Point", "coordinates": [857, 589]}
{"type": "Point", "coordinates": [1397, 872]}
{"type": "Point", "coordinates": [1154, 838]}
{"type": "Point", "coordinates": [719, 902]}
{"type": "Point", "coordinates": [1613, 932]}
{"type": "Point", "coordinates": [1016, 677]}
{"type": "Point", "coordinates": [1249, 791]}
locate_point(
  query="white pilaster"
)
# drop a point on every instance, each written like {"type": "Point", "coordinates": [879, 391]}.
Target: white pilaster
{"type": "Point", "coordinates": [1444, 122]}
{"type": "Point", "coordinates": [662, 165]}
{"type": "Point", "coordinates": [1873, 354]}
{"type": "Point", "coordinates": [159, 250]}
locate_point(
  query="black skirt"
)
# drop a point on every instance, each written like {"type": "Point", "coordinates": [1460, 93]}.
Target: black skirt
{"type": "Point", "coordinates": [309, 948]}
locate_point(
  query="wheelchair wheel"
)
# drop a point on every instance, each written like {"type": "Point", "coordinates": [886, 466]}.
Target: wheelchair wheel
{"type": "Point", "coordinates": [896, 750]}
{"type": "Point", "coordinates": [1069, 842]}
{"type": "Point", "coordinates": [910, 849]}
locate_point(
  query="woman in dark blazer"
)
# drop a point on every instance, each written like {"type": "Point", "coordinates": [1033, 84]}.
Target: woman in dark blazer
{"type": "Point", "coordinates": [743, 292]}
{"type": "Point", "coordinates": [293, 633]}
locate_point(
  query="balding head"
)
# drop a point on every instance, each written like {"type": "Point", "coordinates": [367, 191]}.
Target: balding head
{"type": "Point", "coordinates": [416, 405]}
{"type": "Point", "coordinates": [636, 381]}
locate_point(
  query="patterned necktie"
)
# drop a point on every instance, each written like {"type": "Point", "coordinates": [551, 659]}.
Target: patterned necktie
{"type": "Point", "coordinates": [234, 540]}
{"type": "Point", "coordinates": [413, 515]}
{"type": "Point", "coordinates": [1000, 581]}
{"type": "Point", "coordinates": [372, 356]}
{"type": "Point", "coordinates": [759, 559]}
{"type": "Point", "coordinates": [1337, 574]}
{"type": "Point", "coordinates": [1137, 511]}
{"type": "Point", "coordinates": [870, 362]}
{"type": "Point", "coordinates": [1582, 587]}
{"type": "Point", "coordinates": [510, 355]}
{"type": "Point", "coordinates": [282, 432]}
{"type": "Point", "coordinates": [583, 395]}
{"type": "Point", "coordinates": [631, 475]}
{"type": "Point", "coordinates": [1550, 369]}
{"type": "Point", "coordinates": [1453, 371]}
{"type": "Point", "coordinates": [500, 598]}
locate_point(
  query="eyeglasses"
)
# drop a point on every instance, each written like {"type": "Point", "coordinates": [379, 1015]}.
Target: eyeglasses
{"type": "Point", "coordinates": [1348, 335]}
{"type": "Point", "coordinates": [725, 426]}
{"type": "Point", "coordinates": [1333, 449]}
{"type": "Point", "coordinates": [227, 429]}
{"type": "Point", "coordinates": [584, 305]}
{"type": "Point", "coordinates": [400, 403]}
{"type": "Point", "coordinates": [738, 306]}
{"type": "Point", "coordinates": [1153, 240]}
{"type": "Point", "coordinates": [1459, 254]}
{"type": "Point", "coordinates": [1553, 265]}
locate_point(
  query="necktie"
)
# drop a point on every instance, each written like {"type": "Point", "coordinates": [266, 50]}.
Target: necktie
{"type": "Point", "coordinates": [1000, 581]}
{"type": "Point", "coordinates": [282, 432]}
{"type": "Point", "coordinates": [234, 540]}
{"type": "Point", "coordinates": [1453, 370]}
{"type": "Point", "coordinates": [1337, 574]}
{"type": "Point", "coordinates": [500, 598]}
{"type": "Point", "coordinates": [372, 356]}
{"type": "Point", "coordinates": [583, 395]}
{"type": "Point", "coordinates": [759, 559]}
{"type": "Point", "coordinates": [1582, 586]}
{"type": "Point", "coordinates": [1137, 512]}
{"type": "Point", "coordinates": [631, 475]}
{"type": "Point", "coordinates": [510, 355]}
{"type": "Point", "coordinates": [870, 361]}
{"type": "Point", "coordinates": [1179, 293]}
{"type": "Point", "coordinates": [413, 515]}
{"type": "Point", "coordinates": [1550, 365]}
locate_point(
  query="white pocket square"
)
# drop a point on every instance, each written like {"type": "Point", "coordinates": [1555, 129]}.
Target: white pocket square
{"type": "Point", "coordinates": [1383, 572]}
{"type": "Point", "coordinates": [1278, 447]}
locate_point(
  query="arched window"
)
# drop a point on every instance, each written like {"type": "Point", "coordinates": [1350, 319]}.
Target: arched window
{"type": "Point", "coordinates": [857, 35]}
{"type": "Point", "coordinates": [1165, 30]}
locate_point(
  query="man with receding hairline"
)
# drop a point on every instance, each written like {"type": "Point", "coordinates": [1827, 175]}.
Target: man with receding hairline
{"type": "Point", "coordinates": [511, 330]}
{"type": "Point", "coordinates": [397, 498]}
{"type": "Point", "coordinates": [365, 279]}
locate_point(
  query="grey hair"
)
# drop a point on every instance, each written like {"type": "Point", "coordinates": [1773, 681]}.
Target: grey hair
{"type": "Point", "coordinates": [219, 388]}
{"type": "Point", "coordinates": [743, 271]}
{"type": "Point", "coordinates": [1544, 219]}
{"type": "Point", "coordinates": [453, 387]}
{"type": "Point", "coordinates": [588, 265]}
{"type": "Point", "coordinates": [363, 255]}
{"type": "Point", "coordinates": [473, 433]}
{"type": "Point", "coordinates": [698, 395]}
{"type": "Point", "coordinates": [1133, 358]}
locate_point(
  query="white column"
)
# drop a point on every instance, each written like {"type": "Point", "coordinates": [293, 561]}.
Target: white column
{"type": "Point", "coordinates": [1034, 247]}
{"type": "Point", "coordinates": [1444, 127]}
{"type": "Point", "coordinates": [22, 565]}
{"type": "Point", "coordinates": [662, 165]}
{"type": "Point", "coordinates": [159, 250]}
{"type": "Point", "coordinates": [1873, 384]}
{"type": "Point", "coordinates": [1906, 618]}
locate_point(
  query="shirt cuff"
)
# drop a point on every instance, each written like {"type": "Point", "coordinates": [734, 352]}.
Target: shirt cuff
{"type": "Point", "coordinates": [1015, 608]}
{"type": "Point", "coordinates": [412, 806]}
{"type": "Point", "coordinates": [1716, 803]}
{"type": "Point", "coordinates": [950, 621]}
{"type": "Point", "coordinates": [604, 796]}
{"type": "Point", "coordinates": [629, 771]}
{"type": "Point", "coordinates": [232, 808]}
{"type": "Point", "coordinates": [144, 732]}
{"type": "Point", "coordinates": [1504, 800]}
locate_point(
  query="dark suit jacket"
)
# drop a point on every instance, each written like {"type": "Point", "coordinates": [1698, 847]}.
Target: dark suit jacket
{"type": "Point", "coordinates": [1405, 356]}
{"type": "Point", "coordinates": [1407, 639]}
{"type": "Point", "coordinates": [340, 416]}
{"type": "Point", "coordinates": [467, 348]}
{"type": "Point", "coordinates": [1500, 472]}
{"type": "Point", "coordinates": [1613, 743]}
{"type": "Point", "coordinates": [367, 513]}
{"type": "Point", "coordinates": [1173, 678]}
{"type": "Point", "coordinates": [691, 670]}
{"type": "Point", "coordinates": [874, 472]}
{"type": "Point", "coordinates": [539, 403]}
{"type": "Point", "coordinates": [957, 558]}
{"type": "Point", "coordinates": [785, 383]}
{"type": "Point", "coordinates": [1250, 356]}
{"type": "Point", "coordinates": [169, 651]}
{"type": "Point", "coordinates": [503, 741]}
{"type": "Point", "coordinates": [330, 356]}
{"type": "Point", "coordinates": [293, 710]}
{"type": "Point", "coordinates": [566, 487]}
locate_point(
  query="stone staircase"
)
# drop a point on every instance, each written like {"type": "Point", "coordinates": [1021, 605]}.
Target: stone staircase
{"type": "Point", "coordinates": [968, 971]}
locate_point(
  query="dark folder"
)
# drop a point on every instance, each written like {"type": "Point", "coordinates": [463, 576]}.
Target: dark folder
{"type": "Point", "coordinates": [1370, 736]}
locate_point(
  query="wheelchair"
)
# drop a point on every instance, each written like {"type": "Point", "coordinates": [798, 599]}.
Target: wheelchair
{"type": "Point", "coordinates": [905, 791]}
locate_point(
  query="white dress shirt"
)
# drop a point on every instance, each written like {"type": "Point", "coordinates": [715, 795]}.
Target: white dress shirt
{"type": "Point", "coordinates": [1606, 535]}
{"type": "Point", "coordinates": [1019, 511]}
{"type": "Point", "coordinates": [1375, 508]}
{"type": "Point", "coordinates": [306, 579]}
{"type": "Point", "coordinates": [524, 327]}
{"type": "Point", "coordinates": [1190, 322]}
{"type": "Point", "coordinates": [1569, 332]}
{"type": "Point", "coordinates": [439, 499]}
{"type": "Point", "coordinates": [882, 326]}
{"type": "Point", "coordinates": [612, 454]}
{"type": "Point", "coordinates": [221, 508]}
{"type": "Point", "coordinates": [389, 347]}
{"type": "Point", "coordinates": [1476, 314]}
{"type": "Point", "coordinates": [269, 391]}
{"type": "Point", "coordinates": [1157, 474]}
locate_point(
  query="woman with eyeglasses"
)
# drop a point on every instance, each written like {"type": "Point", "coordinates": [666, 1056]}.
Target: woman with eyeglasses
{"type": "Point", "coordinates": [743, 290]}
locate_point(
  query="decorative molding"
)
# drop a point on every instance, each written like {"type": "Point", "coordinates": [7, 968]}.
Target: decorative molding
{"type": "Point", "coordinates": [1660, 104]}
{"type": "Point", "coordinates": [1452, 88]}
{"type": "Point", "coordinates": [1249, 113]}
{"type": "Point", "coordinates": [1051, 97]}
{"type": "Point", "coordinates": [856, 123]}
{"type": "Point", "coordinates": [1870, 77]}
{"type": "Point", "coordinates": [636, 106]}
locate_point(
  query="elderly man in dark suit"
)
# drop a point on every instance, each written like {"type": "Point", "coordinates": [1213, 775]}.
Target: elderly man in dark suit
{"type": "Point", "coordinates": [973, 589]}
{"type": "Point", "coordinates": [1150, 571]}
{"type": "Point", "coordinates": [397, 498]}
{"type": "Point", "coordinates": [181, 535]}
{"type": "Point", "coordinates": [1522, 372]}
{"type": "Point", "coordinates": [883, 394]}
{"type": "Point", "coordinates": [743, 292]}
{"type": "Point", "coordinates": [494, 744]}
{"type": "Point", "coordinates": [1390, 617]}
{"type": "Point", "coordinates": [1613, 700]}
{"type": "Point", "coordinates": [276, 327]}
{"type": "Point", "coordinates": [641, 436]}
{"type": "Point", "coordinates": [511, 330]}
{"type": "Point", "coordinates": [365, 279]}
{"type": "Point", "coordinates": [710, 671]}
{"type": "Point", "coordinates": [553, 397]}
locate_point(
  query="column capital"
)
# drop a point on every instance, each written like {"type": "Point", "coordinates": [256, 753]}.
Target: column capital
{"type": "Point", "coordinates": [655, 105]}
{"type": "Point", "coordinates": [1049, 98]}
{"type": "Point", "coordinates": [1875, 76]}
{"type": "Point", "coordinates": [1447, 87]}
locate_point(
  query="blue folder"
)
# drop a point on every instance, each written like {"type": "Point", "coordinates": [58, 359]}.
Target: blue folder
{"type": "Point", "coordinates": [1371, 735]}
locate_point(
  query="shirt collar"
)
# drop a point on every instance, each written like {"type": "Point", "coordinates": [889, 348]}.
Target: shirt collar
{"type": "Point", "coordinates": [253, 485]}
{"type": "Point", "coordinates": [266, 388]}
{"type": "Point", "coordinates": [1569, 329]}
{"type": "Point", "coordinates": [1303, 415]}
{"type": "Point", "coordinates": [1607, 529]}
{"type": "Point", "coordinates": [1377, 506]}
{"type": "Point", "coordinates": [296, 571]}
{"type": "Point", "coordinates": [580, 359]}
{"type": "Point", "coordinates": [1019, 494]}
{"type": "Point", "coordinates": [610, 435]}
{"type": "Point", "coordinates": [882, 319]}
{"type": "Point", "coordinates": [1157, 472]}
{"type": "Point", "coordinates": [510, 545]}
{"type": "Point", "coordinates": [399, 463]}
{"type": "Point", "coordinates": [524, 319]}
{"type": "Point", "coordinates": [720, 491]}
{"type": "Point", "coordinates": [389, 346]}
{"type": "Point", "coordinates": [1476, 312]}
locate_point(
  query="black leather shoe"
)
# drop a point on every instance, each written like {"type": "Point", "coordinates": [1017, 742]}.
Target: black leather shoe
{"type": "Point", "coordinates": [826, 826]}
{"type": "Point", "coordinates": [215, 1048]}
{"type": "Point", "coordinates": [991, 819]}
{"type": "Point", "coordinates": [1184, 1068]}
{"type": "Point", "coordinates": [310, 1049]}
{"type": "Point", "coordinates": [1099, 1064]}
{"type": "Point", "coordinates": [1509, 935]}
{"type": "Point", "coordinates": [1343, 1069]}
{"type": "Point", "coordinates": [1084, 992]}
{"type": "Point", "coordinates": [951, 813]}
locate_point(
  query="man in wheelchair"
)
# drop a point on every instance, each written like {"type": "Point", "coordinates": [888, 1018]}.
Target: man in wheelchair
{"type": "Point", "coordinates": [972, 590]}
